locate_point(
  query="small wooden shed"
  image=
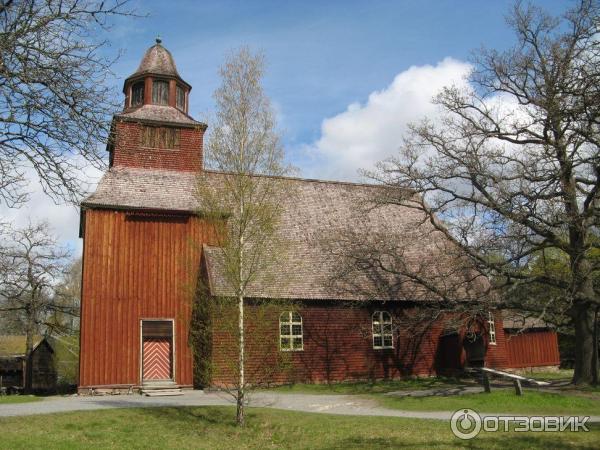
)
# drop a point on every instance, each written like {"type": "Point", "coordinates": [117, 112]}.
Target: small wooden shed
{"type": "Point", "coordinates": [531, 342]}
{"type": "Point", "coordinates": [13, 367]}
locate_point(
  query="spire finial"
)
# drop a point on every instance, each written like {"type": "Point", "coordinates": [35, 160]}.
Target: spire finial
{"type": "Point", "coordinates": [158, 39]}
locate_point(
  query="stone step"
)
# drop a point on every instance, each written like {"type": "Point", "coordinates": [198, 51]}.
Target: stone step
{"type": "Point", "coordinates": [165, 385]}
{"type": "Point", "coordinates": [161, 392]}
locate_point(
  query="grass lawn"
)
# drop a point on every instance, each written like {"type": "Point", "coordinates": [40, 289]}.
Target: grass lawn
{"type": "Point", "coordinates": [365, 387]}
{"type": "Point", "coordinates": [213, 428]}
{"type": "Point", "coordinates": [501, 400]}
{"type": "Point", "coordinates": [549, 375]}
{"type": "Point", "coordinates": [18, 399]}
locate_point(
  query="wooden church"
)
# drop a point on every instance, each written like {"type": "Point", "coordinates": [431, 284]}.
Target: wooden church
{"type": "Point", "coordinates": [146, 251]}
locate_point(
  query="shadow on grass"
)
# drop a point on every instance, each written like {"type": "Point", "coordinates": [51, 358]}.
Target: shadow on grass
{"type": "Point", "coordinates": [208, 415]}
{"type": "Point", "coordinates": [522, 441]}
{"type": "Point", "coordinates": [374, 387]}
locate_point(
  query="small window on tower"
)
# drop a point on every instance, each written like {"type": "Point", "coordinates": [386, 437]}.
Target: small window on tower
{"type": "Point", "coordinates": [180, 98]}
{"type": "Point", "coordinates": [160, 137]}
{"type": "Point", "coordinates": [137, 94]}
{"type": "Point", "coordinates": [160, 92]}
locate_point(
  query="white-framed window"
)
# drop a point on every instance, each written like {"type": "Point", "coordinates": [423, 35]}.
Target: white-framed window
{"type": "Point", "coordinates": [491, 328]}
{"type": "Point", "coordinates": [291, 337]}
{"type": "Point", "coordinates": [383, 335]}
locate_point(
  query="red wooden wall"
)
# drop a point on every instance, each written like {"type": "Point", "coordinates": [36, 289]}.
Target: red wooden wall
{"type": "Point", "coordinates": [532, 348]}
{"type": "Point", "coordinates": [338, 346]}
{"type": "Point", "coordinates": [135, 267]}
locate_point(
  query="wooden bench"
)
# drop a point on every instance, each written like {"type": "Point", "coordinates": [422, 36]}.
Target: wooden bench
{"type": "Point", "coordinates": [516, 379]}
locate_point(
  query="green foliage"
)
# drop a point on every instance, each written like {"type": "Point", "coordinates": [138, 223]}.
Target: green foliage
{"type": "Point", "coordinates": [66, 359]}
{"type": "Point", "coordinates": [214, 319]}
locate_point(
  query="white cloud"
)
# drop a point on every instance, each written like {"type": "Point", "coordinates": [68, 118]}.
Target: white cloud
{"type": "Point", "coordinates": [366, 133]}
{"type": "Point", "coordinates": [63, 218]}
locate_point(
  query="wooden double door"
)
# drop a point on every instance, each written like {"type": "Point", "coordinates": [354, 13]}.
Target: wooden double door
{"type": "Point", "coordinates": [157, 350]}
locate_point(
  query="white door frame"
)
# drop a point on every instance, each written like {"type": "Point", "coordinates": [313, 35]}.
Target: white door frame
{"type": "Point", "coordinates": [173, 354]}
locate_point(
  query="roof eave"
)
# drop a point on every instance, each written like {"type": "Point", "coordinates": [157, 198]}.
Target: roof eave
{"type": "Point", "coordinates": [141, 75]}
{"type": "Point", "coordinates": [196, 124]}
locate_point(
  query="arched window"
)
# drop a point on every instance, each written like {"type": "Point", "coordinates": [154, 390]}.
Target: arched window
{"type": "Point", "coordinates": [137, 94]}
{"type": "Point", "coordinates": [160, 92]}
{"type": "Point", "coordinates": [290, 332]}
{"type": "Point", "coordinates": [491, 328]}
{"type": "Point", "coordinates": [383, 335]}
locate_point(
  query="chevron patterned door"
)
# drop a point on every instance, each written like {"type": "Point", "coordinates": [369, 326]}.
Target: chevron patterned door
{"type": "Point", "coordinates": [157, 350]}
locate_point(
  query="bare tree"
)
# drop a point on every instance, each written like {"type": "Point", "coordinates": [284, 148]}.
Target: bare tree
{"type": "Point", "coordinates": [245, 207]}
{"type": "Point", "coordinates": [32, 264]}
{"type": "Point", "coordinates": [513, 169]}
{"type": "Point", "coordinates": [55, 103]}
{"type": "Point", "coordinates": [67, 295]}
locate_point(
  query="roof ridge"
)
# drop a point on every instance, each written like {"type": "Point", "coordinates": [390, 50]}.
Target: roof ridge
{"type": "Point", "coordinates": [309, 180]}
{"type": "Point", "coordinates": [219, 172]}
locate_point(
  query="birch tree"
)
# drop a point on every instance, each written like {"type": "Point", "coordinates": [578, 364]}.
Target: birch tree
{"type": "Point", "coordinates": [513, 166]}
{"type": "Point", "coordinates": [245, 204]}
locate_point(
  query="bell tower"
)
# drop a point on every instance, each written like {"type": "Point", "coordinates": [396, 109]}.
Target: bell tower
{"type": "Point", "coordinates": [154, 130]}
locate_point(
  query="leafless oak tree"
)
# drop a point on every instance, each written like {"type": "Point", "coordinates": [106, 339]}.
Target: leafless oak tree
{"type": "Point", "coordinates": [512, 168]}
{"type": "Point", "coordinates": [31, 266]}
{"type": "Point", "coordinates": [55, 103]}
{"type": "Point", "coordinates": [245, 207]}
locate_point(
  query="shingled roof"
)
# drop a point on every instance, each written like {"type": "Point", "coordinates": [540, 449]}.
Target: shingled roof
{"type": "Point", "coordinates": [315, 211]}
{"type": "Point", "coordinates": [161, 114]}
{"type": "Point", "coordinates": [13, 346]}
{"type": "Point", "coordinates": [521, 320]}
{"type": "Point", "coordinates": [157, 61]}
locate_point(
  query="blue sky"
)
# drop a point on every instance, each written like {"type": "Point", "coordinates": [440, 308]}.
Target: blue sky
{"type": "Point", "coordinates": [322, 56]}
{"type": "Point", "coordinates": [345, 77]}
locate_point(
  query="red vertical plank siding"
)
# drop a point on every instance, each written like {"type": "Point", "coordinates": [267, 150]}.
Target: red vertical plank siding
{"type": "Point", "coordinates": [338, 346]}
{"type": "Point", "coordinates": [533, 348]}
{"type": "Point", "coordinates": [496, 355]}
{"type": "Point", "coordinates": [135, 269]}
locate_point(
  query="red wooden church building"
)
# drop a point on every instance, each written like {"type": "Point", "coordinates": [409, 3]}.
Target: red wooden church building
{"type": "Point", "coordinates": [146, 251]}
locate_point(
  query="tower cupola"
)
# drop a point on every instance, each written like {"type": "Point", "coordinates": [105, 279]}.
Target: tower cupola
{"type": "Point", "coordinates": [156, 82]}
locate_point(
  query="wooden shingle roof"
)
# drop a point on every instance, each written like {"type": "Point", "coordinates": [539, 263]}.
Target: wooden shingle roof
{"type": "Point", "coordinates": [160, 114]}
{"type": "Point", "coordinates": [12, 346]}
{"type": "Point", "coordinates": [315, 211]}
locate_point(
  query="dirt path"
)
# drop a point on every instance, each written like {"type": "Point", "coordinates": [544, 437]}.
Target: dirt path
{"type": "Point", "coordinates": [330, 404]}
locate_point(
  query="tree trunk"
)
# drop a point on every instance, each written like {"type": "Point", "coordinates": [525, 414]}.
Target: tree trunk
{"type": "Point", "coordinates": [595, 362]}
{"type": "Point", "coordinates": [28, 386]}
{"type": "Point", "coordinates": [240, 392]}
{"type": "Point", "coordinates": [583, 319]}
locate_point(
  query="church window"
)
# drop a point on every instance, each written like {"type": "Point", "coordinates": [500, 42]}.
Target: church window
{"type": "Point", "coordinates": [491, 328]}
{"type": "Point", "coordinates": [382, 330]}
{"type": "Point", "coordinates": [291, 336]}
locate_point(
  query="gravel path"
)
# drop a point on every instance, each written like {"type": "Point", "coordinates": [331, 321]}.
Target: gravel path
{"type": "Point", "coordinates": [330, 404]}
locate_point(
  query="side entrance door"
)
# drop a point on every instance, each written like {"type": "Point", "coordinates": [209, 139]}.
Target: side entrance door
{"type": "Point", "coordinates": [157, 350]}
